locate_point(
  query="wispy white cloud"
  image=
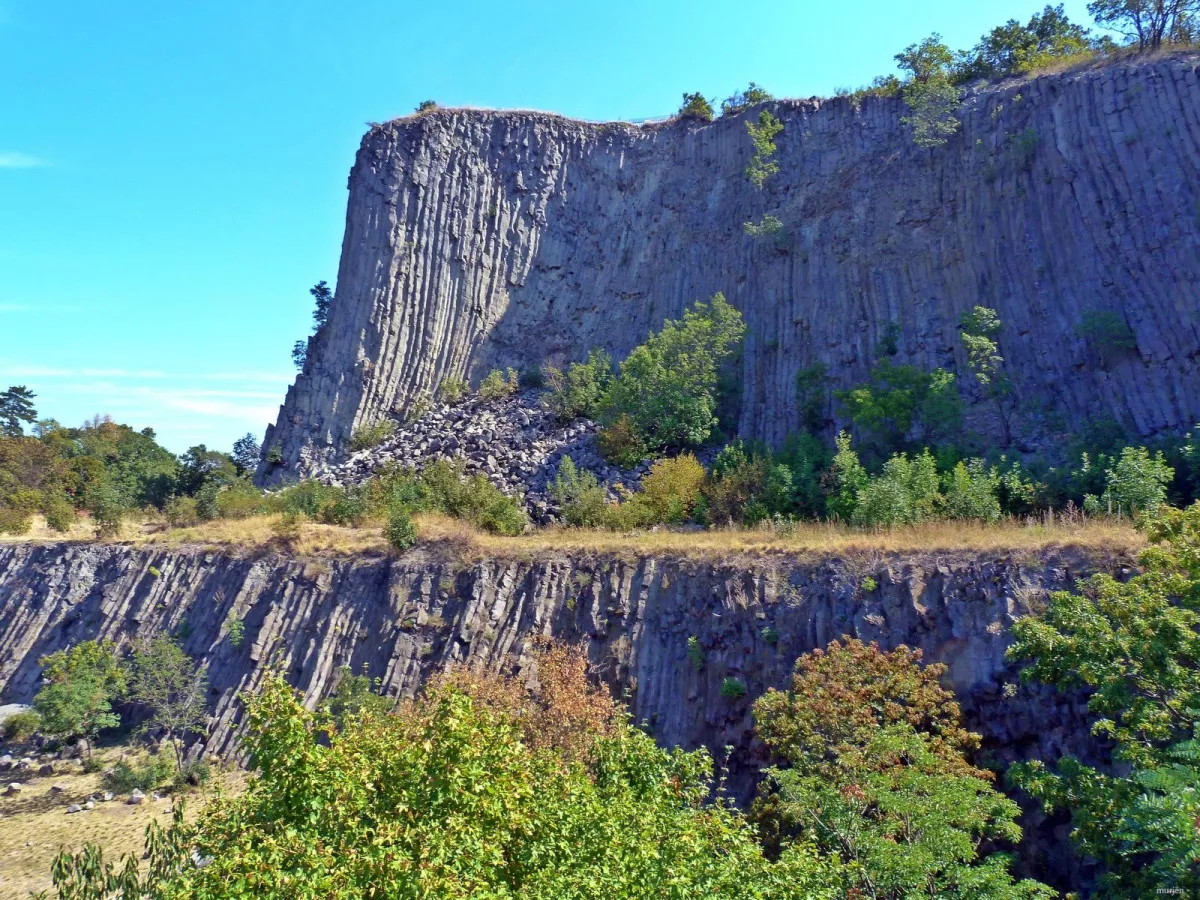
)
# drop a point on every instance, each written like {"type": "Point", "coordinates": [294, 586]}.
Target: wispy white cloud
{"type": "Point", "coordinates": [20, 161]}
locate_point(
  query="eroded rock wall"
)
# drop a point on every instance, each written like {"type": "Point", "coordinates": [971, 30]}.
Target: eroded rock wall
{"type": "Point", "coordinates": [477, 239]}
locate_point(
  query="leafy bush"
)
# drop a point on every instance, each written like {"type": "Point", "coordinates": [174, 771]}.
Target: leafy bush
{"type": "Point", "coordinates": [181, 512]}
{"type": "Point", "coordinates": [747, 487]}
{"type": "Point", "coordinates": [1137, 483]}
{"type": "Point", "coordinates": [1013, 49]}
{"type": "Point", "coordinates": [695, 653]}
{"type": "Point", "coordinates": [847, 477]}
{"type": "Point", "coordinates": [348, 508]}
{"type": "Point", "coordinates": [157, 770]}
{"type": "Point", "coordinates": [581, 389]}
{"type": "Point", "coordinates": [107, 508]}
{"type": "Point", "coordinates": [238, 500]}
{"type": "Point", "coordinates": [583, 501]}
{"type": "Point", "coordinates": [400, 532]}
{"type": "Point", "coordinates": [236, 633]}
{"type": "Point", "coordinates": [59, 513]}
{"type": "Point", "coordinates": [473, 498]}
{"type": "Point", "coordinates": [971, 490]}
{"type": "Point", "coordinates": [306, 498]}
{"type": "Point", "coordinates": [22, 725]}
{"type": "Point", "coordinates": [621, 442]}
{"type": "Point", "coordinates": [695, 106]}
{"type": "Point", "coordinates": [931, 97]}
{"type": "Point", "coordinates": [901, 408]}
{"type": "Point", "coordinates": [452, 390]}
{"type": "Point", "coordinates": [367, 436]}
{"type": "Point", "coordinates": [353, 696]}
{"type": "Point", "coordinates": [735, 103]}
{"type": "Point", "coordinates": [670, 489]}
{"type": "Point", "coordinates": [497, 385]}
{"type": "Point", "coordinates": [1133, 649]}
{"type": "Point", "coordinates": [762, 164]}
{"type": "Point", "coordinates": [905, 492]}
{"type": "Point", "coordinates": [667, 386]}
{"type": "Point", "coordinates": [1108, 336]}
{"type": "Point", "coordinates": [733, 688]}
{"type": "Point", "coordinates": [80, 685]}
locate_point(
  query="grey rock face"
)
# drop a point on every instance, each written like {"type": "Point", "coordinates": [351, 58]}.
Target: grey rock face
{"type": "Point", "coordinates": [488, 239]}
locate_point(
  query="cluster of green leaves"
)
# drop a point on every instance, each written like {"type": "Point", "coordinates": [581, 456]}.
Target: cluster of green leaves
{"type": "Point", "coordinates": [82, 683]}
{"type": "Point", "coordinates": [446, 799]}
{"type": "Point", "coordinates": [669, 494]}
{"type": "Point", "coordinates": [871, 768]}
{"type": "Point", "coordinates": [695, 106]}
{"type": "Point", "coordinates": [741, 100]}
{"type": "Point", "coordinates": [1135, 647]}
{"type": "Point", "coordinates": [323, 298]}
{"type": "Point", "coordinates": [903, 408]}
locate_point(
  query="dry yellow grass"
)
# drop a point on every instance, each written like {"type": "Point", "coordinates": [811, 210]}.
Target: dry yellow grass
{"type": "Point", "coordinates": [451, 537]}
{"type": "Point", "coordinates": [35, 826]}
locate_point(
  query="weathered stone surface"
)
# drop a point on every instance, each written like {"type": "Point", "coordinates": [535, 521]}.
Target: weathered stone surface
{"type": "Point", "coordinates": [477, 239]}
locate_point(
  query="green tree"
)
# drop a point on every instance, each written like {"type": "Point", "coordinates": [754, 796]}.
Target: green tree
{"type": "Point", "coordinates": [929, 92]}
{"type": "Point", "coordinates": [905, 492]}
{"type": "Point", "coordinates": [740, 100]}
{"type": "Point", "coordinates": [1135, 647]}
{"type": "Point", "coordinates": [1148, 22]}
{"type": "Point", "coordinates": [695, 106]}
{"type": "Point", "coordinates": [355, 696]}
{"type": "Point", "coordinates": [173, 688]}
{"type": "Point", "coordinates": [449, 799]}
{"type": "Point", "coordinates": [299, 355]}
{"type": "Point", "coordinates": [80, 685]}
{"type": "Point", "coordinates": [246, 453]}
{"type": "Point", "coordinates": [979, 329]}
{"type": "Point", "coordinates": [580, 390]}
{"type": "Point", "coordinates": [667, 386]}
{"type": "Point", "coordinates": [16, 407]}
{"type": "Point", "coordinates": [847, 477]}
{"type": "Point", "coordinates": [322, 301]}
{"type": "Point", "coordinates": [762, 164]}
{"type": "Point", "coordinates": [1013, 48]}
{"type": "Point", "coordinates": [902, 408]}
{"type": "Point", "coordinates": [872, 769]}
{"type": "Point", "coordinates": [1136, 483]}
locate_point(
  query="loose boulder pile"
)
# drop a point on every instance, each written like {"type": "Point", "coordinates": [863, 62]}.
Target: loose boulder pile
{"type": "Point", "coordinates": [515, 442]}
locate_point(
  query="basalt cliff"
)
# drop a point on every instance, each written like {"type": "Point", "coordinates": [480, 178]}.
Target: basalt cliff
{"type": "Point", "coordinates": [403, 618]}
{"type": "Point", "coordinates": [477, 239]}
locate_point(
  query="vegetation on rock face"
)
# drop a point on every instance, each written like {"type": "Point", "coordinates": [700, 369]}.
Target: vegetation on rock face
{"type": "Point", "coordinates": [81, 684]}
{"type": "Point", "coordinates": [695, 106]}
{"type": "Point", "coordinates": [1135, 647]}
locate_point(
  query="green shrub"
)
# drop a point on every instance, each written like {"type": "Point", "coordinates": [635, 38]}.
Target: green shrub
{"type": "Point", "coordinates": [667, 386]}
{"type": "Point", "coordinates": [14, 520]}
{"type": "Point", "coordinates": [670, 489]}
{"type": "Point", "coordinates": [157, 770]}
{"type": "Point", "coordinates": [236, 633]}
{"type": "Point", "coordinates": [473, 498]}
{"type": "Point", "coordinates": [762, 164]}
{"type": "Point", "coordinates": [733, 688]}
{"type": "Point", "coordinates": [581, 389]}
{"type": "Point", "coordinates": [367, 436]}
{"type": "Point", "coordinates": [452, 390]}
{"type": "Point", "coordinates": [747, 487]}
{"type": "Point", "coordinates": [400, 532]}
{"type": "Point", "coordinates": [22, 726]}
{"type": "Point", "coordinates": [971, 490]}
{"type": "Point", "coordinates": [108, 509]}
{"type": "Point", "coordinates": [905, 492]}
{"type": "Point", "coordinates": [193, 773]}
{"type": "Point", "coordinates": [847, 477]}
{"type": "Point", "coordinates": [583, 501]}
{"type": "Point", "coordinates": [621, 443]}
{"type": "Point", "coordinates": [1108, 336]}
{"type": "Point", "coordinates": [901, 407]}
{"type": "Point", "coordinates": [59, 513]}
{"type": "Point", "coordinates": [1137, 483]}
{"type": "Point", "coordinates": [181, 512]}
{"type": "Point", "coordinates": [740, 100]}
{"type": "Point", "coordinates": [695, 106]}
{"type": "Point", "coordinates": [695, 653]}
{"type": "Point", "coordinates": [307, 498]}
{"type": "Point", "coordinates": [497, 386]}
{"type": "Point", "coordinates": [348, 508]}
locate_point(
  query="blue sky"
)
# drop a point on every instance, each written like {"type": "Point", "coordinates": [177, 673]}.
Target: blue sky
{"type": "Point", "coordinates": [173, 176]}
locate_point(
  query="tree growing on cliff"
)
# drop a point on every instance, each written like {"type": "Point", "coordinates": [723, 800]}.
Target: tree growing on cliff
{"type": "Point", "coordinates": [1013, 48]}
{"type": "Point", "coordinates": [322, 301]}
{"type": "Point", "coordinates": [740, 100]}
{"type": "Point", "coordinates": [929, 92]}
{"type": "Point", "coordinates": [980, 327]}
{"type": "Point", "coordinates": [872, 769]}
{"type": "Point", "coordinates": [667, 386]}
{"type": "Point", "coordinates": [1150, 23]}
{"type": "Point", "coordinates": [246, 453]}
{"type": "Point", "coordinates": [762, 164]}
{"type": "Point", "coordinates": [695, 106]}
{"type": "Point", "coordinates": [1134, 646]}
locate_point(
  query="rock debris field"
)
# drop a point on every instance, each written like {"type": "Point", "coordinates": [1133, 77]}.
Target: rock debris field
{"type": "Point", "coordinates": [516, 443]}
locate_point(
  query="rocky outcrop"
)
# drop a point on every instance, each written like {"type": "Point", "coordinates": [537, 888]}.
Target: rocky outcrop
{"type": "Point", "coordinates": [405, 617]}
{"type": "Point", "coordinates": [477, 239]}
{"type": "Point", "coordinates": [514, 442]}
